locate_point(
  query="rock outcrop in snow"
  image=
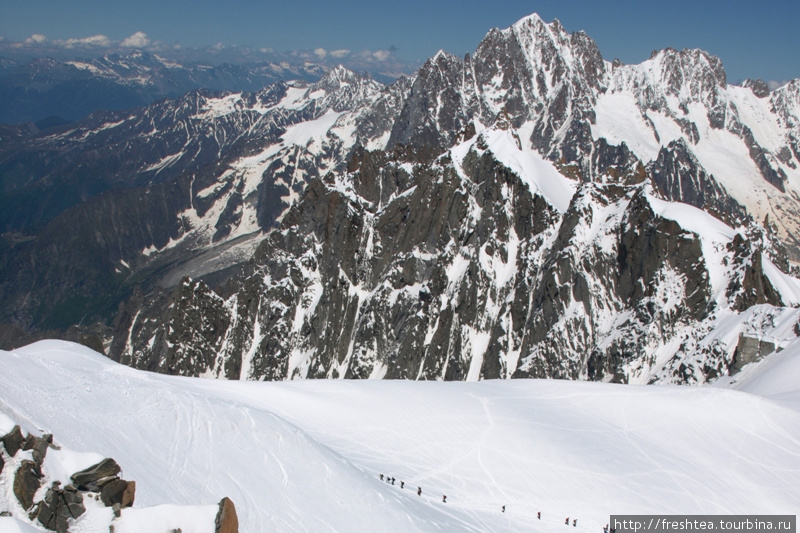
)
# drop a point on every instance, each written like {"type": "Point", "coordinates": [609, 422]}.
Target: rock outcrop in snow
{"type": "Point", "coordinates": [61, 490]}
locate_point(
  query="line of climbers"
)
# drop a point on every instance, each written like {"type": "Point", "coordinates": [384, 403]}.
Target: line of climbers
{"type": "Point", "coordinates": [391, 481]}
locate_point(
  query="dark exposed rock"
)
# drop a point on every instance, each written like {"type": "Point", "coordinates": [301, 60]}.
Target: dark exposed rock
{"type": "Point", "coordinates": [201, 322]}
{"type": "Point", "coordinates": [91, 478]}
{"type": "Point", "coordinates": [759, 87]}
{"type": "Point", "coordinates": [58, 506]}
{"type": "Point", "coordinates": [118, 492]}
{"type": "Point", "coordinates": [756, 287]}
{"type": "Point", "coordinates": [649, 244]}
{"type": "Point", "coordinates": [12, 441]}
{"type": "Point", "coordinates": [226, 520]}
{"type": "Point", "coordinates": [39, 449]}
{"type": "Point", "coordinates": [649, 251]}
{"type": "Point", "coordinates": [678, 177]}
{"type": "Point", "coordinates": [26, 483]}
{"type": "Point", "coordinates": [749, 350]}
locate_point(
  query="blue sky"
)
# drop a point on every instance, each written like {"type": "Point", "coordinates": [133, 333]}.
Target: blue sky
{"type": "Point", "coordinates": [753, 39]}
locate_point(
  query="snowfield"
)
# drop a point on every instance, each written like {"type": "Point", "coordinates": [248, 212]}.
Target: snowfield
{"type": "Point", "coordinates": [306, 455]}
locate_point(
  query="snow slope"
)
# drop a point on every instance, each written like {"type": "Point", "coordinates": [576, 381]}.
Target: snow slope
{"type": "Point", "coordinates": [306, 455]}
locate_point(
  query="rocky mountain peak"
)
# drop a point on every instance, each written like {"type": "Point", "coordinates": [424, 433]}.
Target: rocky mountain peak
{"type": "Point", "coordinates": [534, 23]}
{"type": "Point", "coordinates": [546, 46]}
{"type": "Point", "coordinates": [340, 76]}
{"type": "Point", "coordinates": [671, 80]}
{"type": "Point", "coordinates": [786, 102]}
{"type": "Point", "coordinates": [759, 87]}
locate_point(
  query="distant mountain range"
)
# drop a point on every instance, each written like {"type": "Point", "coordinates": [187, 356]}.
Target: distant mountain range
{"type": "Point", "coordinates": [49, 92]}
{"type": "Point", "coordinates": [531, 210]}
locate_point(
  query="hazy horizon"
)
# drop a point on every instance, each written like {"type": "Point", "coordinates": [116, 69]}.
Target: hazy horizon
{"type": "Point", "coordinates": [397, 38]}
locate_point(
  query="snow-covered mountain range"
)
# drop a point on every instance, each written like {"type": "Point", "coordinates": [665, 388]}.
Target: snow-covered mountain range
{"type": "Point", "coordinates": [529, 210]}
{"type": "Point", "coordinates": [47, 90]}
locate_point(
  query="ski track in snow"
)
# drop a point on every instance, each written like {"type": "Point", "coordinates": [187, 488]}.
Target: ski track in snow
{"type": "Point", "coordinates": [305, 456]}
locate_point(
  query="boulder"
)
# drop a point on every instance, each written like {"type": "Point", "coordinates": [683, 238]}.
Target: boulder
{"type": "Point", "coordinates": [72, 500]}
{"type": "Point", "coordinates": [58, 506]}
{"type": "Point", "coordinates": [29, 442]}
{"type": "Point", "coordinates": [226, 521]}
{"type": "Point", "coordinates": [89, 479]}
{"type": "Point", "coordinates": [118, 491]}
{"type": "Point", "coordinates": [13, 441]}
{"type": "Point", "coordinates": [749, 350]}
{"type": "Point", "coordinates": [26, 483]}
{"type": "Point", "coordinates": [40, 448]}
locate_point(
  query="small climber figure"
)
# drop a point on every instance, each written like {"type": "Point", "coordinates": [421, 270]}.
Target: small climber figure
{"type": "Point", "coordinates": [566, 521]}
{"type": "Point", "coordinates": [444, 498]}
{"type": "Point", "coordinates": [419, 491]}
{"type": "Point", "coordinates": [575, 523]}
{"type": "Point", "coordinates": [504, 508]}
{"type": "Point", "coordinates": [382, 480]}
{"type": "Point", "coordinates": [539, 516]}
{"type": "Point", "coordinates": [402, 483]}
{"type": "Point", "coordinates": [605, 529]}
{"type": "Point", "coordinates": [392, 481]}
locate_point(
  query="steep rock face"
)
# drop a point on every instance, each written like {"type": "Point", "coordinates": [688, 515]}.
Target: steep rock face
{"type": "Point", "coordinates": [439, 104]}
{"type": "Point", "coordinates": [466, 266]}
{"type": "Point", "coordinates": [198, 321]}
{"type": "Point", "coordinates": [533, 72]}
{"type": "Point", "coordinates": [353, 287]}
{"type": "Point", "coordinates": [759, 87]}
{"type": "Point", "coordinates": [615, 297]}
{"type": "Point", "coordinates": [679, 177]}
{"type": "Point", "coordinates": [786, 105]}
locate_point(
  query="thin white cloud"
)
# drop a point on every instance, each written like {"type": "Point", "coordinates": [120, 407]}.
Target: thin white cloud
{"type": "Point", "coordinates": [36, 38]}
{"type": "Point", "coordinates": [86, 42]}
{"type": "Point", "coordinates": [773, 84]}
{"type": "Point", "coordinates": [137, 40]}
{"type": "Point", "coordinates": [320, 53]}
{"type": "Point", "coordinates": [339, 53]}
{"type": "Point", "coordinates": [378, 56]}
